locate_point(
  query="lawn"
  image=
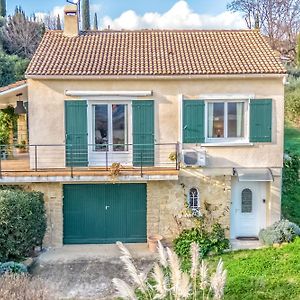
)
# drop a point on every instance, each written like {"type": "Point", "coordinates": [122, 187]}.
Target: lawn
{"type": "Point", "coordinates": [292, 139]}
{"type": "Point", "coordinates": [269, 273]}
{"type": "Point", "coordinates": [291, 186]}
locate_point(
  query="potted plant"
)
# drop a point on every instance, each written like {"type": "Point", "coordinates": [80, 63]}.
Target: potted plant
{"type": "Point", "coordinates": [22, 148]}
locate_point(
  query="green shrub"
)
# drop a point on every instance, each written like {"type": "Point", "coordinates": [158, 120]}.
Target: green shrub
{"type": "Point", "coordinates": [279, 232]}
{"type": "Point", "coordinates": [12, 267]}
{"type": "Point", "coordinates": [22, 223]}
{"type": "Point", "coordinates": [291, 188]}
{"type": "Point", "coordinates": [208, 242]}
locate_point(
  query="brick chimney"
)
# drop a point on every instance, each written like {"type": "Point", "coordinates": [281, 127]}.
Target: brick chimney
{"type": "Point", "coordinates": [71, 21]}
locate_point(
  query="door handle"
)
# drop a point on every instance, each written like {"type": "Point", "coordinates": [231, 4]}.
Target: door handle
{"type": "Point", "coordinates": [107, 206]}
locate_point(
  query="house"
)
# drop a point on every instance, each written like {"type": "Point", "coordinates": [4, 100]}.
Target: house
{"type": "Point", "coordinates": [129, 128]}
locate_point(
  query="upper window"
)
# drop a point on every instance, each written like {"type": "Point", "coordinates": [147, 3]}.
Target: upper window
{"type": "Point", "coordinates": [225, 120]}
{"type": "Point", "coordinates": [246, 201]}
{"type": "Point", "coordinates": [110, 127]}
{"type": "Point", "coordinates": [193, 200]}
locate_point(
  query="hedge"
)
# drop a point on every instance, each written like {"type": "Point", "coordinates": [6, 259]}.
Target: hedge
{"type": "Point", "coordinates": [22, 223]}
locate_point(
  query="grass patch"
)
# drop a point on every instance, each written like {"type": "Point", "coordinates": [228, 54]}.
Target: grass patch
{"type": "Point", "coordinates": [269, 273]}
{"type": "Point", "coordinates": [292, 140]}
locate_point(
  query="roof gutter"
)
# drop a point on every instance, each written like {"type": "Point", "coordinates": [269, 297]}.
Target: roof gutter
{"type": "Point", "coordinates": [153, 77]}
{"type": "Point", "coordinates": [16, 89]}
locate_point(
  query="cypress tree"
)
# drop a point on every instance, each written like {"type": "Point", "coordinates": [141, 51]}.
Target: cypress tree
{"type": "Point", "coordinates": [85, 10]}
{"type": "Point", "coordinates": [58, 23]}
{"type": "Point", "coordinates": [2, 8]}
{"type": "Point", "coordinates": [96, 22]}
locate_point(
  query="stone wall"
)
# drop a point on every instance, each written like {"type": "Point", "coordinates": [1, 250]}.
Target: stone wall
{"type": "Point", "coordinates": [53, 196]}
{"type": "Point", "coordinates": [167, 203]}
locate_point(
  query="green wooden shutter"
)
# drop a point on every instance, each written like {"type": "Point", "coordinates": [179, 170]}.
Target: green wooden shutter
{"type": "Point", "coordinates": [143, 132]}
{"type": "Point", "coordinates": [76, 133]}
{"type": "Point", "coordinates": [261, 120]}
{"type": "Point", "coordinates": [193, 121]}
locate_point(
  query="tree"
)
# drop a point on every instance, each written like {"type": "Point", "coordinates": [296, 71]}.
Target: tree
{"type": "Point", "coordinates": [96, 22]}
{"type": "Point", "coordinates": [298, 50]}
{"type": "Point", "coordinates": [21, 35]}
{"type": "Point", "coordinates": [278, 20]}
{"type": "Point", "coordinates": [58, 23]}
{"type": "Point", "coordinates": [12, 68]}
{"type": "Point", "coordinates": [2, 8]}
{"type": "Point", "coordinates": [86, 15]}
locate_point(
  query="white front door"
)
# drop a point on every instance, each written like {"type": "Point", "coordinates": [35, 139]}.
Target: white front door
{"type": "Point", "coordinates": [248, 208]}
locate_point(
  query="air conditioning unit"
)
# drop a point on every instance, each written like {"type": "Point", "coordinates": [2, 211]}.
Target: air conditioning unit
{"type": "Point", "coordinates": [194, 158]}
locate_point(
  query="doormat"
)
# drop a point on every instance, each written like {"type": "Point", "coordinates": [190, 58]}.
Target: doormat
{"type": "Point", "coordinates": [248, 238]}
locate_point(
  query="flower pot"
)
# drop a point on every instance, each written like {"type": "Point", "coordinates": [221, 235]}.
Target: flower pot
{"type": "Point", "coordinates": [152, 242]}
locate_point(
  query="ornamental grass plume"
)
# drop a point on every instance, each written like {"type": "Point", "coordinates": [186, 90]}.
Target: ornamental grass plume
{"type": "Point", "coordinates": [125, 291]}
{"type": "Point", "coordinates": [218, 281]}
{"type": "Point", "coordinates": [170, 282]}
{"type": "Point", "coordinates": [137, 278]}
{"type": "Point", "coordinates": [176, 274]}
{"type": "Point", "coordinates": [160, 282]}
{"type": "Point", "coordinates": [204, 277]}
{"type": "Point", "coordinates": [163, 259]}
{"type": "Point", "coordinates": [195, 260]}
{"type": "Point", "coordinates": [123, 249]}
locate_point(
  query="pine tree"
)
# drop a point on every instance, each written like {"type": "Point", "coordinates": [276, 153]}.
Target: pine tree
{"type": "Point", "coordinates": [58, 23]}
{"type": "Point", "coordinates": [86, 15]}
{"type": "Point", "coordinates": [2, 8]}
{"type": "Point", "coordinates": [96, 22]}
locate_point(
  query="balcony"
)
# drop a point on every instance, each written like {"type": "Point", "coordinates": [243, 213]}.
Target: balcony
{"type": "Point", "coordinates": [60, 163]}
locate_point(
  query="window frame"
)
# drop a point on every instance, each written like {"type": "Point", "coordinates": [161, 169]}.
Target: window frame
{"type": "Point", "coordinates": [195, 210]}
{"type": "Point", "coordinates": [91, 125]}
{"type": "Point", "coordinates": [245, 138]}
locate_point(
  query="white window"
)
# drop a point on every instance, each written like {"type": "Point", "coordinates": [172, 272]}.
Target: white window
{"type": "Point", "coordinates": [110, 127]}
{"type": "Point", "coordinates": [193, 200]}
{"type": "Point", "coordinates": [225, 120]}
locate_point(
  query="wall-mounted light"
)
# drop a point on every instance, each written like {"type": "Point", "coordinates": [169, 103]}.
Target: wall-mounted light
{"type": "Point", "coordinates": [20, 109]}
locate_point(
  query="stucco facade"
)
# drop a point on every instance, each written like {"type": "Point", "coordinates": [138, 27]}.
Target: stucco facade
{"type": "Point", "coordinates": [47, 113]}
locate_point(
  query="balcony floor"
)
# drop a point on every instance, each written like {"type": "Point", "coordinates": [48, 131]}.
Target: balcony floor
{"type": "Point", "coordinates": [19, 167]}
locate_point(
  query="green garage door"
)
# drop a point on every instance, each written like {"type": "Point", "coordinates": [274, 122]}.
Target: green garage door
{"type": "Point", "coordinates": [104, 213]}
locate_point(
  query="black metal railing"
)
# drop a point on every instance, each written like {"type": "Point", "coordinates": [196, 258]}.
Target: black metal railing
{"type": "Point", "coordinates": [88, 157]}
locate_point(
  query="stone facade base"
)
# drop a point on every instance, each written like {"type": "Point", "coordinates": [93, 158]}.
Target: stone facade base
{"type": "Point", "coordinates": [167, 205]}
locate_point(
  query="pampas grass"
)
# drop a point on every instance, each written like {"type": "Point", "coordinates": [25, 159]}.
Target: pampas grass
{"type": "Point", "coordinates": [160, 282]}
{"type": "Point", "coordinates": [125, 291]}
{"type": "Point", "coordinates": [218, 281]}
{"type": "Point", "coordinates": [170, 282]}
{"type": "Point", "coordinates": [162, 254]}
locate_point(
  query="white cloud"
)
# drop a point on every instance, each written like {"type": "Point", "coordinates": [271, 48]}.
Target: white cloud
{"type": "Point", "coordinates": [59, 10]}
{"type": "Point", "coordinates": [180, 16]}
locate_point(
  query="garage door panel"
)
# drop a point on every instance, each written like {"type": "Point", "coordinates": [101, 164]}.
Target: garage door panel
{"type": "Point", "coordinates": [104, 213]}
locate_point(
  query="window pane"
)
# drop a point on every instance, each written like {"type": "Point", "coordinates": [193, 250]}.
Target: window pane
{"type": "Point", "coordinates": [101, 127]}
{"type": "Point", "coordinates": [235, 119]}
{"type": "Point", "coordinates": [246, 201]}
{"type": "Point", "coordinates": [215, 120]}
{"type": "Point", "coordinates": [119, 123]}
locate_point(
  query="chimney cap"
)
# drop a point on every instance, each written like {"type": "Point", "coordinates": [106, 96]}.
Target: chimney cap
{"type": "Point", "coordinates": [70, 8]}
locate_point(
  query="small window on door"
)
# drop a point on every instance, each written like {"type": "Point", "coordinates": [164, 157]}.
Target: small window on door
{"type": "Point", "coordinates": [246, 201]}
{"type": "Point", "coordinates": [193, 200]}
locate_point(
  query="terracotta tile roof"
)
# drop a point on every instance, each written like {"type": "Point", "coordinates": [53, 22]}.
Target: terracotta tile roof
{"type": "Point", "coordinates": [12, 86]}
{"type": "Point", "coordinates": [155, 52]}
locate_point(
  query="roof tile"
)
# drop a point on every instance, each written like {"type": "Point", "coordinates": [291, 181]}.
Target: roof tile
{"type": "Point", "coordinates": [155, 52]}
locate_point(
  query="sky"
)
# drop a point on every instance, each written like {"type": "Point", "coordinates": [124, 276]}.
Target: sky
{"type": "Point", "coordinates": [134, 14]}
